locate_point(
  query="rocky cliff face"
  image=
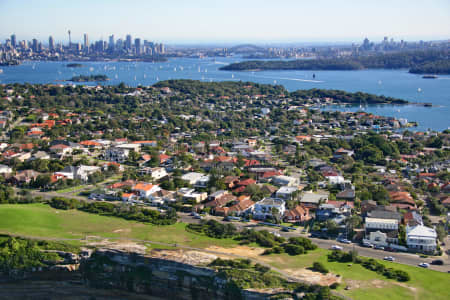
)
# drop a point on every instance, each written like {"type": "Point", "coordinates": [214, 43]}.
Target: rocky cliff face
{"type": "Point", "coordinates": [167, 279]}
{"type": "Point", "coordinates": [114, 274]}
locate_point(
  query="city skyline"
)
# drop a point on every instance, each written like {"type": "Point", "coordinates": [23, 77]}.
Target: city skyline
{"type": "Point", "coordinates": [205, 21]}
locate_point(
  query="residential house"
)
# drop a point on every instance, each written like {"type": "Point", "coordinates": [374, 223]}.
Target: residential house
{"type": "Point", "coordinates": [285, 181]}
{"type": "Point", "coordinates": [146, 143]}
{"type": "Point", "coordinates": [5, 170]}
{"type": "Point", "coordinates": [156, 173]}
{"type": "Point", "coordinates": [77, 172]}
{"type": "Point", "coordinates": [61, 150]}
{"type": "Point", "coordinates": [286, 192]}
{"type": "Point", "coordinates": [347, 194]}
{"type": "Point", "coordinates": [267, 206]}
{"type": "Point", "coordinates": [145, 190]}
{"type": "Point", "coordinates": [24, 177]}
{"type": "Point", "coordinates": [312, 199]}
{"type": "Point", "coordinates": [402, 200]}
{"type": "Point", "coordinates": [412, 218]}
{"type": "Point", "coordinates": [367, 206]}
{"type": "Point", "coordinates": [120, 153]}
{"type": "Point", "coordinates": [381, 231]}
{"type": "Point", "coordinates": [421, 238]}
{"type": "Point", "coordinates": [191, 196]}
{"type": "Point", "coordinates": [192, 177]}
{"type": "Point", "coordinates": [298, 214]}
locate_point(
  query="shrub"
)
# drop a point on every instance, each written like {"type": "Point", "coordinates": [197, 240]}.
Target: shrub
{"type": "Point", "coordinates": [319, 267]}
{"type": "Point", "coordinates": [334, 286]}
{"type": "Point", "coordinates": [294, 249]}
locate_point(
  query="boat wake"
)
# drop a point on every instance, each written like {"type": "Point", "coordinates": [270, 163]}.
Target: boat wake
{"type": "Point", "coordinates": [293, 79]}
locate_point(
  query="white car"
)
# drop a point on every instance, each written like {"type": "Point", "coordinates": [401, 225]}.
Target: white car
{"type": "Point", "coordinates": [424, 265]}
{"type": "Point", "coordinates": [389, 258]}
{"type": "Point", "coordinates": [336, 247]}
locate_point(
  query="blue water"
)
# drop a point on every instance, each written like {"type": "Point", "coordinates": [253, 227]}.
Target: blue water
{"type": "Point", "coordinates": [394, 83]}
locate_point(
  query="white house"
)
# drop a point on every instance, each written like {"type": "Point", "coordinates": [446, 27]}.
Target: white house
{"type": "Point", "coordinates": [156, 173]}
{"type": "Point", "coordinates": [421, 238]}
{"type": "Point", "coordinates": [190, 195]}
{"type": "Point", "coordinates": [282, 180]}
{"type": "Point", "coordinates": [286, 192]}
{"type": "Point", "coordinates": [145, 190]}
{"type": "Point", "coordinates": [121, 152]}
{"type": "Point", "coordinates": [381, 224]}
{"type": "Point", "coordinates": [4, 169]}
{"type": "Point", "coordinates": [264, 207]}
{"type": "Point", "coordinates": [80, 172]}
{"type": "Point", "coordinates": [192, 177]}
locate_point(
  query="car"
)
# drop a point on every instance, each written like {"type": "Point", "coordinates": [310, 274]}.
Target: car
{"type": "Point", "coordinates": [336, 247]}
{"type": "Point", "coordinates": [379, 247]}
{"type": "Point", "coordinates": [344, 241]}
{"type": "Point", "coordinates": [367, 245]}
{"type": "Point", "coordinates": [438, 262]}
{"type": "Point", "coordinates": [424, 265]}
{"type": "Point", "coordinates": [389, 258]}
{"type": "Point", "coordinates": [285, 229]}
{"type": "Point", "coordinates": [198, 217]}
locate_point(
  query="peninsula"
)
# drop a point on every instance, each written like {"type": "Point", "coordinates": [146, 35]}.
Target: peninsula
{"type": "Point", "coordinates": [420, 62]}
{"type": "Point", "coordinates": [89, 78]}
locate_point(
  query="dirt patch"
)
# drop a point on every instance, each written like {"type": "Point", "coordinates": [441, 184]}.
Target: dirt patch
{"type": "Point", "coordinates": [127, 230]}
{"type": "Point", "coordinates": [188, 257]}
{"type": "Point", "coordinates": [313, 277]}
{"type": "Point", "coordinates": [239, 250]}
{"type": "Point", "coordinates": [358, 284]}
{"type": "Point", "coordinates": [120, 245]}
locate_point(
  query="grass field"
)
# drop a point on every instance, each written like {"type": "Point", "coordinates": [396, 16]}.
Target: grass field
{"type": "Point", "coordinates": [43, 221]}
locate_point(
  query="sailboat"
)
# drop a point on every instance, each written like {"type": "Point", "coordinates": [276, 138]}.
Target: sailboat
{"type": "Point", "coordinates": [232, 75]}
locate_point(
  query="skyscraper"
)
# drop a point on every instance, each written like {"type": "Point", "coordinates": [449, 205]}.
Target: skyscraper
{"type": "Point", "coordinates": [35, 45]}
{"type": "Point", "coordinates": [137, 46]}
{"type": "Point", "coordinates": [13, 40]}
{"type": "Point", "coordinates": [51, 43]}
{"type": "Point", "coordinates": [111, 42]}
{"type": "Point", "coordinates": [86, 43]}
{"type": "Point", "coordinates": [128, 42]}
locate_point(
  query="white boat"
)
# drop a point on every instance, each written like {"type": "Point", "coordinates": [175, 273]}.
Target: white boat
{"type": "Point", "coordinates": [419, 90]}
{"type": "Point", "coordinates": [1, 71]}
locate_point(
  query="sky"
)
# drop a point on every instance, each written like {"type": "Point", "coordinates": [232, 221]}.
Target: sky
{"type": "Point", "coordinates": [227, 21]}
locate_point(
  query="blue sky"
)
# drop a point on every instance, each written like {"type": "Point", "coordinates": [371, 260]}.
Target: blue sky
{"type": "Point", "coordinates": [192, 21]}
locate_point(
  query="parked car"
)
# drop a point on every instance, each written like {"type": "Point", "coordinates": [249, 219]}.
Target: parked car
{"type": "Point", "coordinates": [379, 247]}
{"type": "Point", "coordinates": [389, 258]}
{"type": "Point", "coordinates": [424, 265]}
{"type": "Point", "coordinates": [438, 262]}
{"type": "Point", "coordinates": [336, 247]}
{"type": "Point", "coordinates": [367, 245]}
{"type": "Point", "coordinates": [345, 241]}
{"type": "Point", "coordinates": [285, 229]}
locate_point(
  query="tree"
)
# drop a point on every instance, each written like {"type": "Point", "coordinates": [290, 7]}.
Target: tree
{"type": "Point", "coordinates": [370, 154]}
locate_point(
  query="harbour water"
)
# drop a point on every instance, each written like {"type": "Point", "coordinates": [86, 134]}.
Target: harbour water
{"type": "Point", "coordinates": [394, 83]}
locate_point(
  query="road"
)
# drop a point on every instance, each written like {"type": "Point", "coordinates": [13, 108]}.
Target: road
{"type": "Point", "coordinates": [400, 257]}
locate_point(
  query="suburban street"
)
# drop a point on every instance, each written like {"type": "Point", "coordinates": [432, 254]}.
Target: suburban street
{"type": "Point", "coordinates": [400, 257]}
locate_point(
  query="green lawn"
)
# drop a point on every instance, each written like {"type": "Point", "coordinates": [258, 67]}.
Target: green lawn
{"type": "Point", "coordinates": [41, 220]}
{"type": "Point", "coordinates": [71, 189]}
{"type": "Point", "coordinates": [424, 284]}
